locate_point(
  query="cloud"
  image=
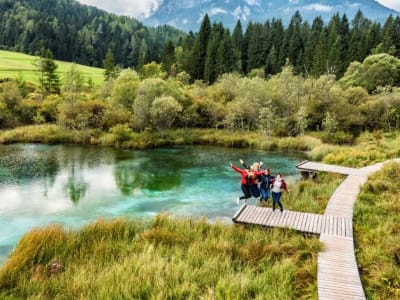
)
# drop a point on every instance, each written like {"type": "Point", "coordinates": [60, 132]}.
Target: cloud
{"type": "Point", "coordinates": [318, 7]}
{"type": "Point", "coordinates": [394, 4]}
{"type": "Point", "coordinates": [216, 10]}
{"type": "Point", "coordinates": [253, 2]}
{"type": "Point", "coordinates": [134, 8]}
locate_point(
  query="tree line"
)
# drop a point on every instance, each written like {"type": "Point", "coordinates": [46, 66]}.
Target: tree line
{"type": "Point", "coordinates": [84, 34]}
{"type": "Point", "coordinates": [367, 97]}
{"type": "Point", "coordinates": [263, 49]}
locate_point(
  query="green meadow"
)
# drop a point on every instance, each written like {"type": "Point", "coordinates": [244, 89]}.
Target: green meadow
{"type": "Point", "coordinates": [19, 65]}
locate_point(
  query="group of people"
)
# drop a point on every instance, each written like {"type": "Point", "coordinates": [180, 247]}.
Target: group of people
{"type": "Point", "coordinates": [260, 184]}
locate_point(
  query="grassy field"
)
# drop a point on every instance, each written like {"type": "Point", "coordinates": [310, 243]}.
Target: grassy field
{"type": "Point", "coordinates": [14, 65]}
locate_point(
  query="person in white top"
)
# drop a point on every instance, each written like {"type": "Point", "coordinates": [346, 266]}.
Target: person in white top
{"type": "Point", "coordinates": [278, 185]}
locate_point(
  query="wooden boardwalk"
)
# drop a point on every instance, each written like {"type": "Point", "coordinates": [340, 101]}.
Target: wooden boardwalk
{"type": "Point", "coordinates": [303, 222]}
{"type": "Point", "coordinates": [338, 276]}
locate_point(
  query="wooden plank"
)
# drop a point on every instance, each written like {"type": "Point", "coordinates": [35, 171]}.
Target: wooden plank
{"type": "Point", "coordinates": [250, 217]}
{"type": "Point", "coordinates": [263, 214]}
{"type": "Point", "coordinates": [319, 224]}
{"type": "Point", "coordinates": [286, 218]}
{"type": "Point", "coordinates": [295, 219]}
{"type": "Point", "coordinates": [257, 214]}
{"type": "Point", "coordinates": [243, 216]}
{"type": "Point", "coordinates": [239, 211]}
{"type": "Point", "coordinates": [300, 222]}
{"type": "Point", "coordinates": [262, 217]}
{"type": "Point", "coordinates": [267, 216]}
{"type": "Point", "coordinates": [314, 222]}
{"type": "Point", "coordinates": [343, 227]}
{"type": "Point", "coordinates": [335, 227]}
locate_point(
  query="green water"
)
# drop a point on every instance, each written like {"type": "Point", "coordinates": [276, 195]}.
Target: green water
{"type": "Point", "coordinates": [72, 185]}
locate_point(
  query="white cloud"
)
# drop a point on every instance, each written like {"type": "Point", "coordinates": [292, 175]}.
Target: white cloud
{"type": "Point", "coordinates": [394, 4]}
{"type": "Point", "coordinates": [318, 7]}
{"type": "Point", "coordinates": [134, 8]}
{"type": "Point", "coordinates": [253, 2]}
{"type": "Point", "coordinates": [215, 11]}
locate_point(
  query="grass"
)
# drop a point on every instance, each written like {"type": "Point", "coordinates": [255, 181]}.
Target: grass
{"type": "Point", "coordinates": [19, 65]}
{"type": "Point", "coordinates": [311, 196]}
{"type": "Point", "coordinates": [122, 136]}
{"type": "Point", "coordinates": [377, 233]}
{"type": "Point", "coordinates": [369, 148]}
{"type": "Point", "coordinates": [163, 258]}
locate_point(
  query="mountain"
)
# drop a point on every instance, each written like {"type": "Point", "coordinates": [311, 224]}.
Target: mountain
{"type": "Point", "coordinates": [187, 14]}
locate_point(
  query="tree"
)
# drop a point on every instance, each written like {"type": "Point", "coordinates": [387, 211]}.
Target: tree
{"type": "Point", "coordinates": [164, 111]}
{"type": "Point", "coordinates": [168, 57]}
{"type": "Point", "coordinates": [376, 70]}
{"type": "Point", "coordinates": [199, 52]}
{"type": "Point", "coordinates": [48, 78]}
{"type": "Point", "coordinates": [124, 89]}
{"type": "Point", "coordinates": [110, 69]}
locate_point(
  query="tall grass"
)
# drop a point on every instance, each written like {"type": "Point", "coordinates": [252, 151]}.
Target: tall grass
{"type": "Point", "coordinates": [122, 136]}
{"type": "Point", "coordinates": [163, 258]}
{"type": "Point", "coordinates": [369, 148]}
{"type": "Point", "coordinates": [311, 195]}
{"type": "Point", "coordinates": [377, 233]}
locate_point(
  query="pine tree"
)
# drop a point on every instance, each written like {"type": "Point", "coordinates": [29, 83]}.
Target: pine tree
{"type": "Point", "coordinates": [237, 42]}
{"type": "Point", "coordinates": [110, 69]}
{"type": "Point", "coordinates": [199, 53]}
{"type": "Point", "coordinates": [48, 78]}
{"type": "Point", "coordinates": [272, 66]}
{"type": "Point", "coordinates": [168, 57]}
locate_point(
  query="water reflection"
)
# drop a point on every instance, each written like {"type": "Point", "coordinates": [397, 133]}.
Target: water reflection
{"type": "Point", "coordinates": [73, 185]}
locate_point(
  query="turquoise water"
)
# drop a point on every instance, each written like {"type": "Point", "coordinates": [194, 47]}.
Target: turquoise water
{"type": "Point", "coordinates": [72, 185]}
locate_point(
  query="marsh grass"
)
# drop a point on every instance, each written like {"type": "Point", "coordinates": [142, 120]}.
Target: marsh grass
{"type": "Point", "coordinates": [369, 148]}
{"type": "Point", "coordinates": [163, 258]}
{"type": "Point", "coordinates": [311, 195]}
{"type": "Point", "coordinates": [377, 232]}
{"type": "Point", "coordinates": [122, 136]}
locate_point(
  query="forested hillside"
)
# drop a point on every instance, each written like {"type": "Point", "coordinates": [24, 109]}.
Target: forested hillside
{"type": "Point", "coordinates": [79, 33]}
{"type": "Point", "coordinates": [74, 32]}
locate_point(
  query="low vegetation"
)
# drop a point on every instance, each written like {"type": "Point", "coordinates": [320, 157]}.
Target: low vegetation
{"type": "Point", "coordinates": [164, 258]}
{"type": "Point", "coordinates": [377, 233]}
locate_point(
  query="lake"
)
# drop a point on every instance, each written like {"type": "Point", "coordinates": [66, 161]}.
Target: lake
{"type": "Point", "coordinates": [72, 185]}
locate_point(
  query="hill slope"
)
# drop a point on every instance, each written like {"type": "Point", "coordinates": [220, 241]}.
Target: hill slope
{"type": "Point", "coordinates": [76, 32]}
{"type": "Point", "coordinates": [187, 14]}
{"type": "Point", "coordinates": [13, 65]}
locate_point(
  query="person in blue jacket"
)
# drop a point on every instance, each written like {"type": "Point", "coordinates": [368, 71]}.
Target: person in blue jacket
{"type": "Point", "coordinates": [265, 184]}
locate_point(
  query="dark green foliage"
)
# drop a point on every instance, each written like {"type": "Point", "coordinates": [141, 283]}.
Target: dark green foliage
{"type": "Point", "coordinates": [110, 69]}
{"type": "Point", "coordinates": [49, 79]}
{"type": "Point", "coordinates": [78, 33]}
{"type": "Point", "coordinates": [83, 34]}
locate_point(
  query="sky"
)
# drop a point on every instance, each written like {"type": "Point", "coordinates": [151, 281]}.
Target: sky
{"type": "Point", "coordinates": [142, 8]}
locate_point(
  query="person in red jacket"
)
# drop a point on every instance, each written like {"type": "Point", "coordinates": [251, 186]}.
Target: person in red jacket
{"type": "Point", "coordinates": [278, 185]}
{"type": "Point", "coordinates": [248, 178]}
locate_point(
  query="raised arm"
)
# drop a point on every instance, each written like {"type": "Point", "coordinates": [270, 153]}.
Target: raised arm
{"type": "Point", "coordinates": [243, 164]}
{"type": "Point", "coordinates": [236, 168]}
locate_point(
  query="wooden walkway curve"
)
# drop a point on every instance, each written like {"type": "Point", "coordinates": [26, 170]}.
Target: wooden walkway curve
{"type": "Point", "coordinates": [338, 276]}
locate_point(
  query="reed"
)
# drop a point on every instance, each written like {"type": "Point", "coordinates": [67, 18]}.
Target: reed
{"type": "Point", "coordinates": [161, 258]}
{"type": "Point", "coordinates": [377, 233]}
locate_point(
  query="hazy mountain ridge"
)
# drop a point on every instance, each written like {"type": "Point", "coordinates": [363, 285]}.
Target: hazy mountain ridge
{"type": "Point", "coordinates": [187, 14]}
